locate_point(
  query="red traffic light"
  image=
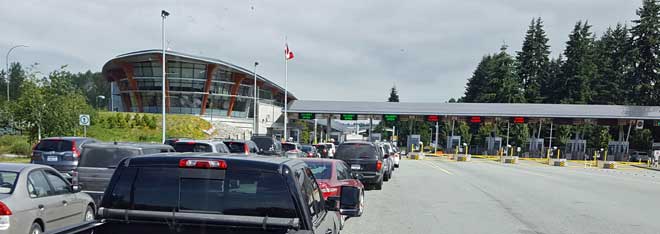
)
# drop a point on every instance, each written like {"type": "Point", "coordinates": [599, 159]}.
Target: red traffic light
{"type": "Point", "coordinates": [518, 120]}
{"type": "Point", "coordinates": [432, 118]}
{"type": "Point", "coordinates": [475, 119]}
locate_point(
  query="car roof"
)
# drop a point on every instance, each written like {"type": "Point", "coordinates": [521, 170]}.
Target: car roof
{"type": "Point", "coordinates": [18, 167]}
{"type": "Point", "coordinates": [320, 160]}
{"type": "Point", "coordinates": [261, 162]}
{"type": "Point", "coordinates": [66, 138]}
{"type": "Point", "coordinates": [128, 145]}
{"type": "Point", "coordinates": [234, 140]}
{"type": "Point", "coordinates": [199, 141]}
{"type": "Point", "coordinates": [360, 142]}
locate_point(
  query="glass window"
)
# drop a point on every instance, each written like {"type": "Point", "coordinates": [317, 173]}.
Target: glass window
{"type": "Point", "coordinates": [59, 185]}
{"type": "Point", "coordinates": [54, 145]}
{"type": "Point", "coordinates": [38, 185]}
{"type": "Point", "coordinates": [7, 182]}
{"type": "Point", "coordinates": [192, 147]}
{"type": "Point", "coordinates": [155, 189]}
{"type": "Point", "coordinates": [312, 194]}
{"type": "Point", "coordinates": [321, 169]}
{"type": "Point", "coordinates": [356, 150]}
{"type": "Point", "coordinates": [120, 197]}
{"type": "Point", "coordinates": [104, 157]}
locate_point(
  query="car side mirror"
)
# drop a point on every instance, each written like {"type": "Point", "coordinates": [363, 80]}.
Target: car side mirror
{"type": "Point", "coordinates": [332, 204]}
{"type": "Point", "coordinates": [75, 188]}
{"type": "Point", "coordinates": [350, 203]}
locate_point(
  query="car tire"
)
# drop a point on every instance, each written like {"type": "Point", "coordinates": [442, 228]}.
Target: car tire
{"type": "Point", "coordinates": [396, 165]}
{"type": "Point", "coordinates": [386, 177]}
{"type": "Point", "coordinates": [379, 185]}
{"type": "Point", "coordinates": [36, 229]}
{"type": "Point", "coordinates": [89, 214]}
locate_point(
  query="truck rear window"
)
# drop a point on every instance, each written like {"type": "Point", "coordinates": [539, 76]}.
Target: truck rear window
{"type": "Point", "coordinates": [356, 150]}
{"type": "Point", "coordinates": [192, 147]}
{"type": "Point", "coordinates": [235, 147]}
{"type": "Point", "coordinates": [231, 192]}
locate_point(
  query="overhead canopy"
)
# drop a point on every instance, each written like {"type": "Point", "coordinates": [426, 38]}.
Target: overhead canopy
{"type": "Point", "coordinates": [478, 109]}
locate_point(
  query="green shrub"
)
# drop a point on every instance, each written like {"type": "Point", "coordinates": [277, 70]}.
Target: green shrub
{"type": "Point", "coordinates": [20, 148]}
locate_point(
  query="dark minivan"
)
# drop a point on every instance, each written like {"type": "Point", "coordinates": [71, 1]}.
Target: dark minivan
{"type": "Point", "coordinates": [268, 145]}
{"type": "Point", "coordinates": [364, 159]}
{"type": "Point", "coordinates": [99, 160]}
{"type": "Point", "coordinates": [61, 153]}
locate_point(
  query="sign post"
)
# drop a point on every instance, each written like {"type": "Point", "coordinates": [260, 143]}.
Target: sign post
{"type": "Point", "coordinates": [84, 121]}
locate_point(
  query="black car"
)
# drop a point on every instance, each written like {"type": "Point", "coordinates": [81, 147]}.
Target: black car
{"type": "Point", "coordinates": [61, 153]}
{"type": "Point", "coordinates": [366, 159]}
{"type": "Point", "coordinates": [322, 149]}
{"type": "Point", "coordinates": [99, 160]}
{"type": "Point", "coordinates": [310, 151]}
{"type": "Point", "coordinates": [268, 145]}
{"type": "Point", "coordinates": [192, 193]}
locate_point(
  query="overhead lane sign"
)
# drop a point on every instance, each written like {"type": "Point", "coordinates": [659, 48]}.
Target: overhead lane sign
{"type": "Point", "coordinates": [308, 116]}
{"type": "Point", "coordinates": [348, 117]}
{"type": "Point", "coordinates": [390, 117]}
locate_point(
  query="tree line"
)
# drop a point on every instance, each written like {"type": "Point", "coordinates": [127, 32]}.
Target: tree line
{"type": "Point", "coordinates": [49, 103]}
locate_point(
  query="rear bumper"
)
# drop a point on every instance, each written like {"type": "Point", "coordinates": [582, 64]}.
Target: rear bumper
{"type": "Point", "coordinates": [370, 177]}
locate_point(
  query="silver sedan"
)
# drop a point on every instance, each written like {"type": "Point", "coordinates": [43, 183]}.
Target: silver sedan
{"type": "Point", "coordinates": [36, 198]}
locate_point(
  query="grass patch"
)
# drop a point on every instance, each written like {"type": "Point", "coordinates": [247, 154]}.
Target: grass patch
{"type": "Point", "coordinates": [15, 160]}
{"type": "Point", "coordinates": [188, 126]}
{"type": "Point", "coordinates": [15, 145]}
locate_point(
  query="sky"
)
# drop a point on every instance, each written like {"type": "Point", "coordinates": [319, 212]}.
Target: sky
{"type": "Point", "coordinates": [344, 49]}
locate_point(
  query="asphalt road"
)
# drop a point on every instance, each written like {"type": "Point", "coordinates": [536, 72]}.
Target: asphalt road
{"type": "Point", "coordinates": [434, 196]}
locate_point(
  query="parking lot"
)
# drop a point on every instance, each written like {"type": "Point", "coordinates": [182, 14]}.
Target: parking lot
{"type": "Point", "coordinates": [441, 196]}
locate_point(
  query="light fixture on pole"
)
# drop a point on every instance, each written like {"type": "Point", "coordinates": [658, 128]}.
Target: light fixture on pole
{"type": "Point", "coordinates": [163, 15]}
{"type": "Point", "coordinates": [255, 111]}
{"type": "Point", "coordinates": [7, 67]}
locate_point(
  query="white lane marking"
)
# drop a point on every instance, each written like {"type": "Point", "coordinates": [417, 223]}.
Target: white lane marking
{"type": "Point", "coordinates": [438, 167]}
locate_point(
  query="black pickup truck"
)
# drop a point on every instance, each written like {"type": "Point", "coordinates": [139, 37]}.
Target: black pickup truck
{"type": "Point", "coordinates": [194, 193]}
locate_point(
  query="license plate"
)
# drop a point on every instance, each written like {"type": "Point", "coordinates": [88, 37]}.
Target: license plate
{"type": "Point", "coordinates": [355, 166]}
{"type": "Point", "coordinates": [52, 158]}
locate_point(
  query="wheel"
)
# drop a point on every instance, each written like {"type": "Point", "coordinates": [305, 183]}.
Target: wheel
{"type": "Point", "coordinates": [36, 229]}
{"type": "Point", "coordinates": [379, 185]}
{"type": "Point", "coordinates": [89, 214]}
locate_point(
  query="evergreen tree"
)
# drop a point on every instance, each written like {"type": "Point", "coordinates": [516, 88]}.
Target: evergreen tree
{"type": "Point", "coordinates": [477, 84]}
{"type": "Point", "coordinates": [394, 95]}
{"type": "Point", "coordinates": [551, 87]}
{"type": "Point", "coordinates": [533, 61]}
{"type": "Point", "coordinates": [613, 60]}
{"type": "Point", "coordinates": [579, 69]}
{"type": "Point", "coordinates": [646, 41]}
{"type": "Point", "coordinates": [505, 80]}
{"type": "Point", "coordinates": [17, 76]}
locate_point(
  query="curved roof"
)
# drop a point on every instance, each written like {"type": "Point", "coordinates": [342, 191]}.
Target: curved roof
{"type": "Point", "coordinates": [168, 53]}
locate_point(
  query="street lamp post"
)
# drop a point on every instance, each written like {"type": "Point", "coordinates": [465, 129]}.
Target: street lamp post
{"type": "Point", "coordinates": [99, 97]}
{"type": "Point", "coordinates": [256, 112]}
{"type": "Point", "coordinates": [163, 15]}
{"type": "Point", "coordinates": [7, 67]}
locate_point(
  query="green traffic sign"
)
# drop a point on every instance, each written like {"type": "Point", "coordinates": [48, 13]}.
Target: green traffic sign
{"type": "Point", "coordinates": [390, 117]}
{"type": "Point", "coordinates": [348, 117]}
{"type": "Point", "coordinates": [306, 116]}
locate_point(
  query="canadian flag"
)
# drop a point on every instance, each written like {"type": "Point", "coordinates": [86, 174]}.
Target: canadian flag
{"type": "Point", "coordinates": [288, 54]}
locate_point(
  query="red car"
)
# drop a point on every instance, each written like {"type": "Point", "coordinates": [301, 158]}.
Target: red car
{"type": "Point", "coordinates": [331, 175]}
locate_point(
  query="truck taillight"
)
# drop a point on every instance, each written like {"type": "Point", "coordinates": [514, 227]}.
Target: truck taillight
{"type": "Point", "coordinates": [246, 148]}
{"type": "Point", "coordinates": [203, 164]}
{"type": "Point", "coordinates": [5, 213]}
{"type": "Point", "coordinates": [379, 165]}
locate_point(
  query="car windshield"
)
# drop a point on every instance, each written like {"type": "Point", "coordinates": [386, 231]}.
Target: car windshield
{"type": "Point", "coordinates": [192, 147]}
{"type": "Point", "coordinates": [288, 146]}
{"type": "Point", "coordinates": [236, 191]}
{"type": "Point", "coordinates": [54, 145]}
{"type": "Point", "coordinates": [7, 181]}
{"type": "Point", "coordinates": [321, 169]}
{"type": "Point", "coordinates": [235, 147]}
{"type": "Point", "coordinates": [307, 148]}
{"type": "Point", "coordinates": [104, 157]}
{"type": "Point", "coordinates": [356, 150]}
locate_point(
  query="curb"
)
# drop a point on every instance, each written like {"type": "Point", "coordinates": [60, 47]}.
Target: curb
{"type": "Point", "coordinates": [648, 168]}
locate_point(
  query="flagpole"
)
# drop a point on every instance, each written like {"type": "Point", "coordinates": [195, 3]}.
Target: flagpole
{"type": "Point", "coordinates": [286, 93]}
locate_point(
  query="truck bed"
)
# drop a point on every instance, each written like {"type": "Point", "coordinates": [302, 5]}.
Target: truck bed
{"type": "Point", "coordinates": [163, 228]}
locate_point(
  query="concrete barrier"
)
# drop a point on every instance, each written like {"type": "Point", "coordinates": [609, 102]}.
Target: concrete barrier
{"type": "Point", "coordinates": [510, 159]}
{"type": "Point", "coordinates": [464, 157]}
{"type": "Point", "coordinates": [559, 162]}
{"type": "Point", "coordinates": [417, 156]}
{"type": "Point", "coordinates": [609, 165]}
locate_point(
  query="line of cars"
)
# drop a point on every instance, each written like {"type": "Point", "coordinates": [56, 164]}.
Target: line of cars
{"type": "Point", "coordinates": [88, 168]}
